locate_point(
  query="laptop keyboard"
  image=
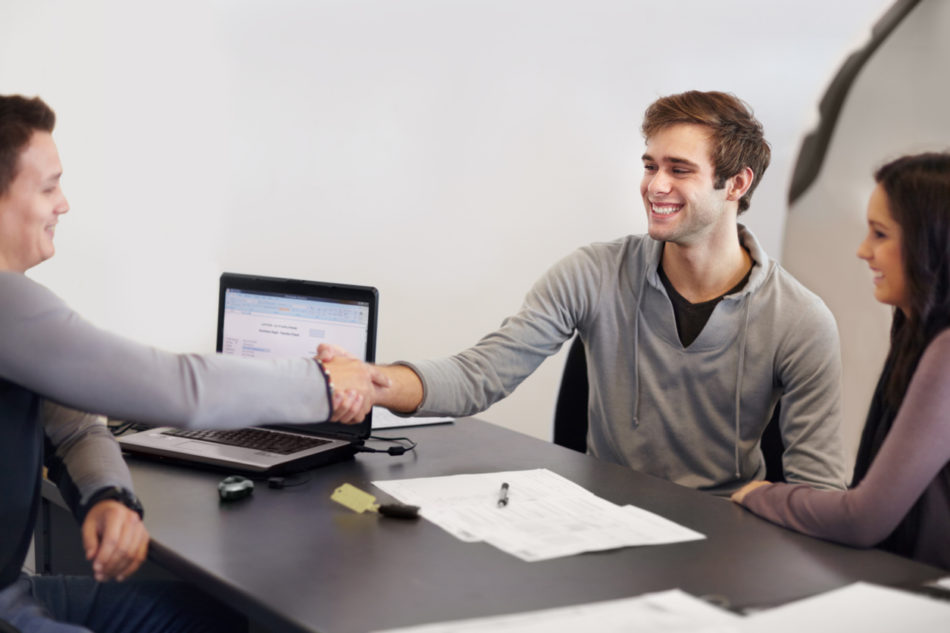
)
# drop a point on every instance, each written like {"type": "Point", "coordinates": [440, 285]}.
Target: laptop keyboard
{"type": "Point", "coordinates": [255, 439]}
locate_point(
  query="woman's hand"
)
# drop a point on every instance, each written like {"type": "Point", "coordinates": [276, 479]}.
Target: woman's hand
{"type": "Point", "coordinates": [740, 494]}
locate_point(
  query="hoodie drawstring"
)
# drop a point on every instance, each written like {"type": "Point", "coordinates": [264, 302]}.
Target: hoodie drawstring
{"type": "Point", "coordinates": [740, 371]}
{"type": "Point", "coordinates": [636, 351]}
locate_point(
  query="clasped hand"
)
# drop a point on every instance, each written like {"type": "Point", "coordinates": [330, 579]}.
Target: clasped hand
{"type": "Point", "coordinates": [114, 539]}
{"type": "Point", "coordinates": [356, 385]}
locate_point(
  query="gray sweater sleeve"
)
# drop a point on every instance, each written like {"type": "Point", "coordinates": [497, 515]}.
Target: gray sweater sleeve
{"type": "Point", "coordinates": [914, 452]}
{"type": "Point", "coordinates": [50, 350]}
{"type": "Point", "coordinates": [476, 378]}
{"type": "Point", "coordinates": [810, 407]}
{"type": "Point", "coordinates": [86, 447]}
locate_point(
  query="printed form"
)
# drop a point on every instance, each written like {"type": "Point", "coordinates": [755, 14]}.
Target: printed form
{"type": "Point", "coordinates": [543, 515]}
{"type": "Point", "coordinates": [858, 607]}
{"type": "Point", "coordinates": [861, 607]}
{"type": "Point", "coordinates": [670, 611]}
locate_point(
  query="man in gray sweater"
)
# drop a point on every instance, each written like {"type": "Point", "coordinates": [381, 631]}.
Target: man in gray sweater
{"type": "Point", "coordinates": [692, 334]}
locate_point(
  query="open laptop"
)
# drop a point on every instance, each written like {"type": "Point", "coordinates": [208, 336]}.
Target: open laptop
{"type": "Point", "coordinates": [267, 317]}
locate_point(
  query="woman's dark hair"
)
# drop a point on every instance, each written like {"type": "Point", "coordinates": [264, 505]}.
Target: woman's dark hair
{"type": "Point", "coordinates": [918, 198]}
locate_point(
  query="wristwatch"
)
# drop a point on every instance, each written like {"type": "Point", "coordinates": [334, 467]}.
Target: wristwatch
{"type": "Point", "coordinates": [122, 495]}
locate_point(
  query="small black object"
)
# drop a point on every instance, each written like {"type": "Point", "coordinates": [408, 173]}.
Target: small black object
{"type": "Point", "coordinates": [399, 511]}
{"type": "Point", "coordinates": [280, 483]}
{"type": "Point", "coordinates": [394, 451]}
{"type": "Point", "coordinates": [235, 487]}
{"type": "Point", "coordinates": [503, 495]}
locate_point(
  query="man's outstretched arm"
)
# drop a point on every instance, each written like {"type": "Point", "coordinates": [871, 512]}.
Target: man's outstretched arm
{"type": "Point", "coordinates": [404, 395]}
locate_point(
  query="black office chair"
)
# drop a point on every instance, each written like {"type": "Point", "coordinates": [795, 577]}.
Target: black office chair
{"type": "Point", "coordinates": [570, 414]}
{"type": "Point", "coordinates": [772, 448]}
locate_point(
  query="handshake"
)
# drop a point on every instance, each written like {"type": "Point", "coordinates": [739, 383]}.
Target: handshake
{"type": "Point", "coordinates": [356, 386]}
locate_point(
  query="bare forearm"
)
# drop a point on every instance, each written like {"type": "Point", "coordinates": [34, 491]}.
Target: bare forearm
{"type": "Point", "coordinates": [405, 393]}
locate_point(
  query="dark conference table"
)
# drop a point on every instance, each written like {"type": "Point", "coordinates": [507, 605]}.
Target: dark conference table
{"type": "Point", "coordinates": [293, 560]}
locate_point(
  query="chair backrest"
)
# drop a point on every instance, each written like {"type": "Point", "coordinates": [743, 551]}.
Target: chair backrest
{"type": "Point", "coordinates": [570, 414]}
{"type": "Point", "coordinates": [773, 447]}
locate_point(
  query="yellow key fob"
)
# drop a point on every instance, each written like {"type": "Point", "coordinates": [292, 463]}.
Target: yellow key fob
{"type": "Point", "coordinates": [354, 498]}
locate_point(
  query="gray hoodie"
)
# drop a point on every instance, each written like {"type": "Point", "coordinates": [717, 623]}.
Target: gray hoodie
{"type": "Point", "coordinates": [693, 415]}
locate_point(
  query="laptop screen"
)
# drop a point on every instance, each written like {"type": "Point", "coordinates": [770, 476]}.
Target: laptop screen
{"type": "Point", "coordinates": [269, 325]}
{"type": "Point", "coordinates": [269, 317]}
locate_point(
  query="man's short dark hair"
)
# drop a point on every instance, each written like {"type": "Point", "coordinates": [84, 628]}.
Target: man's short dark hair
{"type": "Point", "coordinates": [737, 136]}
{"type": "Point", "coordinates": [19, 119]}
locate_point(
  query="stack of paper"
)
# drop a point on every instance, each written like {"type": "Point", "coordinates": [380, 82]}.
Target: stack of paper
{"type": "Point", "coordinates": [666, 612]}
{"type": "Point", "coordinates": [386, 419]}
{"type": "Point", "coordinates": [859, 607]}
{"type": "Point", "coordinates": [546, 516]}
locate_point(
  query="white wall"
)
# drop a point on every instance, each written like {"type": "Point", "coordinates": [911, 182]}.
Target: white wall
{"type": "Point", "coordinates": [445, 151]}
{"type": "Point", "coordinates": [897, 105]}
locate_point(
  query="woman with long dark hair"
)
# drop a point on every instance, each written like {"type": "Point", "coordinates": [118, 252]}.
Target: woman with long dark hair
{"type": "Point", "coordinates": [900, 495]}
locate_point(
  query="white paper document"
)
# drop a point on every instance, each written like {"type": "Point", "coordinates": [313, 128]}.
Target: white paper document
{"type": "Point", "coordinates": [386, 419]}
{"type": "Point", "coordinates": [666, 612]}
{"type": "Point", "coordinates": [546, 516]}
{"type": "Point", "coordinates": [941, 583]}
{"type": "Point", "coordinates": [858, 607]}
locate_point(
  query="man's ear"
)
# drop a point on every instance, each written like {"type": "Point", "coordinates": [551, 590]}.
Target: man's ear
{"type": "Point", "coordinates": [738, 185]}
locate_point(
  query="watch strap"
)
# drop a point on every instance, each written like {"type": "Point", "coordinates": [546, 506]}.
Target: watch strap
{"type": "Point", "coordinates": [117, 493]}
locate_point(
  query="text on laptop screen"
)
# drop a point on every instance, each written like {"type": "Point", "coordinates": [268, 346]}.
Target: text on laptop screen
{"type": "Point", "coordinates": [269, 325]}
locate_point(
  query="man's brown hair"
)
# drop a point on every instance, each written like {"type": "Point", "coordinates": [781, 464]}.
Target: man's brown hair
{"type": "Point", "coordinates": [19, 119]}
{"type": "Point", "coordinates": [737, 137]}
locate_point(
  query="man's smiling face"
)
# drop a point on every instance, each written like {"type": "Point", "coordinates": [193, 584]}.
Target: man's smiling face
{"type": "Point", "coordinates": [678, 188]}
{"type": "Point", "coordinates": [31, 206]}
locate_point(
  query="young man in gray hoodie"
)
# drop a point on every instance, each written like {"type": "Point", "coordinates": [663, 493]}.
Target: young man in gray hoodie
{"type": "Point", "coordinates": [692, 334]}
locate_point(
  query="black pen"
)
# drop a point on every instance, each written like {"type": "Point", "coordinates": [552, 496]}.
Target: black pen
{"type": "Point", "coordinates": [503, 495]}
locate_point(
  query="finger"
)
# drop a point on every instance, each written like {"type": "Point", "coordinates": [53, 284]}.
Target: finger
{"type": "Point", "coordinates": [346, 408]}
{"type": "Point", "coordinates": [359, 408]}
{"type": "Point", "coordinates": [354, 403]}
{"type": "Point", "coordinates": [126, 550]}
{"type": "Point", "coordinates": [328, 351]}
{"type": "Point", "coordinates": [140, 557]}
{"type": "Point", "coordinates": [337, 406]}
{"type": "Point", "coordinates": [325, 352]}
{"type": "Point", "coordinates": [366, 405]}
{"type": "Point", "coordinates": [136, 552]}
{"type": "Point", "coordinates": [108, 543]}
{"type": "Point", "coordinates": [124, 530]}
{"type": "Point", "coordinates": [90, 537]}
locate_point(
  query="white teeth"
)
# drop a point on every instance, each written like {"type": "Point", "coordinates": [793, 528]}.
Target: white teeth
{"type": "Point", "coordinates": [666, 210]}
